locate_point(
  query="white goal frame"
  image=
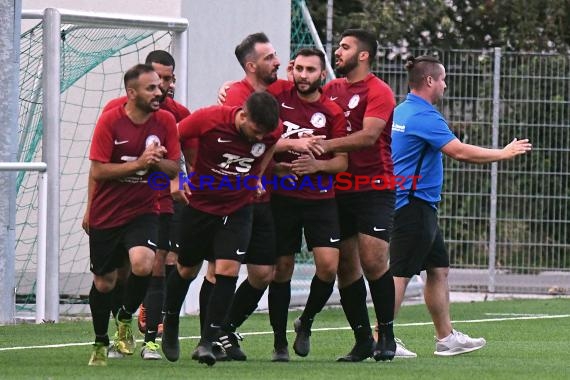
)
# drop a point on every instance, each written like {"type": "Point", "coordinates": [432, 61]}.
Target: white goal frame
{"type": "Point", "coordinates": [47, 278]}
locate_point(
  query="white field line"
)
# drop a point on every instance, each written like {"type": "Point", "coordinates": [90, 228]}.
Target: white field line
{"type": "Point", "coordinates": [513, 318]}
{"type": "Point", "coordinates": [516, 314]}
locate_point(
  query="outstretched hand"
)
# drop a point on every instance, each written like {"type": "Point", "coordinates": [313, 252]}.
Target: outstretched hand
{"type": "Point", "coordinates": [517, 147]}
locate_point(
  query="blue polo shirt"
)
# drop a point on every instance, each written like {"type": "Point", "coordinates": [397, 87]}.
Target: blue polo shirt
{"type": "Point", "coordinates": [418, 125]}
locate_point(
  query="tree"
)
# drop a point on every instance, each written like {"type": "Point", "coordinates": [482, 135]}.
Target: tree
{"type": "Point", "coordinates": [516, 25]}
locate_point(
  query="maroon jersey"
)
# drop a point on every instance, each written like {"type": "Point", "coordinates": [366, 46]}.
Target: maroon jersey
{"type": "Point", "coordinates": [236, 95]}
{"type": "Point", "coordinates": [299, 117]}
{"type": "Point", "coordinates": [117, 139]}
{"type": "Point", "coordinates": [370, 97]}
{"type": "Point", "coordinates": [179, 112]}
{"type": "Point", "coordinates": [226, 159]}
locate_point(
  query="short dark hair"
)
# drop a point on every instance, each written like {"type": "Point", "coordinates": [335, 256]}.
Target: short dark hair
{"type": "Point", "coordinates": [135, 72]}
{"type": "Point", "coordinates": [421, 67]}
{"type": "Point", "coordinates": [366, 42]}
{"type": "Point", "coordinates": [160, 56]}
{"type": "Point", "coordinates": [247, 47]}
{"type": "Point", "coordinates": [309, 52]}
{"type": "Point", "coordinates": [263, 110]}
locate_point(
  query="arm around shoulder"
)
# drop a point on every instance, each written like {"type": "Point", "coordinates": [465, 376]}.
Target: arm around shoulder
{"type": "Point", "coordinates": [372, 127]}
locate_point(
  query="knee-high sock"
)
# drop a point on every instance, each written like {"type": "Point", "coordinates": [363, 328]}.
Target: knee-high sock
{"type": "Point", "coordinates": [279, 300]}
{"type": "Point", "coordinates": [218, 306]}
{"type": "Point", "coordinates": [117, 297]}
{"type": "Point", "coordinates": [204, 299]}
{"type": "Point", "coordinates": [243, 305]}
{"type": "Point", "coordinates": [353, 301]}
{"type": "Point", "coordinates": [318, 296]}
{"type": "Point", "coordinates": [176, 289]}
{"type": "Point", "coordinates": [100, 304]}
{"type": "Point", "coordinates": [135, 291]}
{"type": "Point", "coordinates": [153, 302]}
{"type": "Point", "coordinates": [383, 298]}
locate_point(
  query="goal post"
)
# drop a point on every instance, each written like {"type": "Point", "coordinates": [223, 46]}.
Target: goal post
{"type": "Point", "coordinates": [58, 71]}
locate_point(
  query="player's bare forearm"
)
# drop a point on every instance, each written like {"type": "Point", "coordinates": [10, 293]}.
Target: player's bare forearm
{"type": "Point", "coordinates": [267, 159]}
{"type": "Point", "coordinates": [337, 164]}
{"type": "Point", "coordinates": [189, 157]}
{"type": "Point", "coordinates": [90, 188]}
{"type": "Point", "coordinates": [301, 145]}
{"type": "Point", "coordinates": [479, 155]}
{"type": "Point", "coordinates": [365, 138]}
{"type": "Point", "coordinates": [110, 171]}
{"type": "Point", "coordinates": [169, 167]}
{"type": "Point", "coordinates": [307, 164]}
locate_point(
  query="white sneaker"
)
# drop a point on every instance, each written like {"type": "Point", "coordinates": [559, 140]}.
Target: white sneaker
{"type": "Point", "coordinates": [113, 353]}
{"type": "Point", "coordinates": [150, 351]}
{"type": "Point", "coordinates": [457, 343]}
{"type": "Point", "coordinates": [402, 352]}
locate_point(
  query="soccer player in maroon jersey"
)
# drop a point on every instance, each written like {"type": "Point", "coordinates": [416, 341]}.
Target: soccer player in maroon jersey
{"type": "Point", "coordinates": [165, 258]}
{"type": "Point", "coordinates": [309, 205]}
{"type": "Point", "coordinates": [366, 214]}
{"type": "Point", "coordinates": [234, 143]}
{"type": "Point", "coordinates": [128, 143]}
{"type": "Point", "coordinates": [257, 57]}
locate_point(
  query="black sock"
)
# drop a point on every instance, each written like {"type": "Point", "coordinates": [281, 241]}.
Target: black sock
{"type": "Point", "coordinates": [176, 289]}
{"type": "Point", "coordinates": [383, 293]}
{"type": "Point", "coordinates": [353, 301]}
{"type": "Point", "coordinates": [100, 304]}
{"type": "Point", "coordinates": [169, 269]}
{"type": "Point", "coordinates": [204, 299]}
{"type": "Point", "coordinates": [117, 296]}
{"type": "Point", "coordinates": [153, 302]}
{"type": "Point", "coordinates": [135, 291]}
{"type": "Point", "coordinates": [279, 300]}
{"type": "Point", "coordinates": [218, 306]}
{"type": "Point", "coordinates": [318, 296]}
{"type": "Point", "coordinates": [244, 304]}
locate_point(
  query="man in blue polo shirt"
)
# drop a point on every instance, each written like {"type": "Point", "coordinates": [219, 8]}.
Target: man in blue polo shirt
{"type": "Point", "coordinates": [420, 135]}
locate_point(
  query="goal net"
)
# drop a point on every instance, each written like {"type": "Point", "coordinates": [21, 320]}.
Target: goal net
{"type": "Point", "coordinates": [93, 61]}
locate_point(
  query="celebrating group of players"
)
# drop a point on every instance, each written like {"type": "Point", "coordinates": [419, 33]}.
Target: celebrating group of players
{"type": "Point", "coordinates": [266, 127]}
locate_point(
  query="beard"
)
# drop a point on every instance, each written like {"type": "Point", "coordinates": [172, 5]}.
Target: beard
{"type": "Point", "coordinates": [314, 86]}
{"type": "Point", "coordinates": [269, 78]}
{"type": "Point", "coordinates": [245, 136]}
{"type": "Point", "coordinates": [162, 98]}
{"type": "Point", "coordinates": [348, 66]}
{"type": "Point", "coordinates": [147, 107]}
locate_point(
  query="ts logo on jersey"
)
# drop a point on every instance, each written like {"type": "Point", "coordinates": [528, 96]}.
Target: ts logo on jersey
{"type": "Point", "coordinates": [294, 129]}
{"type": "Point", "coordinates": [240, 164]}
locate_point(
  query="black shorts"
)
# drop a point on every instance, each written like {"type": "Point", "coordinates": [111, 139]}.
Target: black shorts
{"type": "Point", "coordinates": [210, 237]}
{"type": "Point", "coordinates": [262, 245]}
{"type": "Point", "coordinates": [109, 247]}
{"type": "Point", "coordinates": [366, 212]}
{"type": "Point", "coordinates": [164, 222]}
{"type": "Point", "coordinates": [416, 243]}
{"type": "Point", "coordinates": [317, 218]}
{"type": "Point", "coordinates": [175, 227]}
